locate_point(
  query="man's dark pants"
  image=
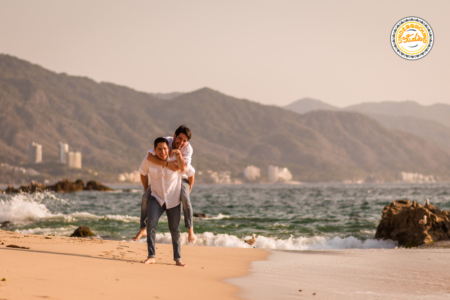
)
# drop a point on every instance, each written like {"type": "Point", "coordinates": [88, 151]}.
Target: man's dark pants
{"type": "Point", "coordinates": [154, 212]}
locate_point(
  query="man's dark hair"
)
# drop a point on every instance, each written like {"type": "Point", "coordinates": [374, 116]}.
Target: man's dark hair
{"type": "Point", "coordinates": [160, 140]}
{"type": "Point", "coordinates": [183, 129]}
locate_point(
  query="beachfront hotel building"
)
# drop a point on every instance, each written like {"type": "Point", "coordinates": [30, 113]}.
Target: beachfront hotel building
{"type": "Point", "coordinates": [74, 160]}
{"type": "Point", "coordinates": [35, 153]}
{"type": "Point", "coordinates": [252, 172]}
{"type": "Point", "coordinates": [63, 151]}
{"type": "Point", "coordinates": [415, 177]}
{"type": "Point", "coordinates": [277, 174]}
{"type": "Point", "coordinates": [134, 177]}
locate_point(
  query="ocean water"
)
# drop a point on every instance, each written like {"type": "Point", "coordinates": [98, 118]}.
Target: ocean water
{"type": "Point", "coordinates": [288, 217]}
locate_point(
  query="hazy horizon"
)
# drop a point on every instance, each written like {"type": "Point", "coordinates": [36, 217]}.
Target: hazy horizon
{"type": "Point", "coordinates": [269, 52]}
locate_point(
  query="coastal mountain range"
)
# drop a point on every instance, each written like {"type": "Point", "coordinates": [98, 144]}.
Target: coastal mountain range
{"type": "Point", "coordinates": [429, 122]}
{"type": "Point", "coordinates": [114, 126]}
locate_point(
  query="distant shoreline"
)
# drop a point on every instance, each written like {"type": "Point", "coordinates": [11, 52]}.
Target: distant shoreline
{"type": "Point", "coordinates": [119, 186]}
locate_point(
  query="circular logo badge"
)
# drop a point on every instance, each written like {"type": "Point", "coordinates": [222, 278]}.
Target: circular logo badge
{"type": "Point", "coordinates": [412, 38]}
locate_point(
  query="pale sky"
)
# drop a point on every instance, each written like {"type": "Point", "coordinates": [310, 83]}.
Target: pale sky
{"type": "Point", "coordinates": [272, 52]}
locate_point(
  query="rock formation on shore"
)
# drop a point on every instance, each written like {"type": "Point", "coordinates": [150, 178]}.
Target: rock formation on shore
{"type": "Point", "coordinates": [63, 186]}
{"type": "Point", "coordinates": [412, 224]}
{"type": "Point", "coordinates": [82, 231]}
{"type": "Point", "coordinates": [96, 186]}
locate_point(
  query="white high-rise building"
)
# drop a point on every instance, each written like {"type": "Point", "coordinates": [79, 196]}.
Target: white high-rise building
{"type": "Point", "coordinates": [78, 160]}
{"type": "Point", "coordinates": [35, 153]}
{"type": "Point", "coordinates": [63, 150]}
{"type": "Point", "coordinates": [74, 160]}
{"type": "Point", "coordinates": [279, 174]}
{"type": "Point", "coordinates": [252, 172]}
{"type": "Point", "coordinates": [273, 173]}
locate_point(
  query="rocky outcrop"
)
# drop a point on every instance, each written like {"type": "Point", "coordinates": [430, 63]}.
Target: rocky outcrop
{"type": "Point", "coordinates": [33, 187]}
{"type": "Point", "coordinates": [11, 190]}
{"type": "Point", "coordinates": [412, 224]}
{"type": "Point", "coordinates": [82, 231]}
{"type": "Point", "coordinates": [96, 186]}
{"type": "Point", "coordinates": [200, 215]}
{"type": "Point", "coordinates": [64, 186]}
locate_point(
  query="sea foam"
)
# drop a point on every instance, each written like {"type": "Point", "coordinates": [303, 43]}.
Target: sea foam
{"type": "Point", "coordinates": [23, 207]}
{"type": "Point", "coordinates": [299, 243]}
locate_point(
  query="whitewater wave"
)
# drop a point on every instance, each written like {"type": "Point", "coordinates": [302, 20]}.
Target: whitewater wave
{"type": "Point", "coordinates": [262, 242]}
{"type": "Point", "coordinates": [218, 217]}
{"type": "Point", "coordinates": [22, 208]}
{"type": "Point", "coordinates": [61, 231]}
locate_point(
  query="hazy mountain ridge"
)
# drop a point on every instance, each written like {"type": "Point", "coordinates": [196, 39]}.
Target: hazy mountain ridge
{"type": "Point", "coordinates": [113, 126]}
{"type": "Point", "coordinates": [305, 105]}
{"type": "Point", "coordinates": [41, 105]}
{"type": "Point", "coordinates": [429, 122]}
{"type": "Point", "coordinates": [437, 112]}
{"type": "Point", "coordinates": [166, 96]}
{"type": "Point", "coordinates": [427, 129]}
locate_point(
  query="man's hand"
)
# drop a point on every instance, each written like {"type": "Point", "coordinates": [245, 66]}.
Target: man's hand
{"type": "Point", "coordinates": [172, 166]}
{"type": "Point", "coordinates": [176, 151]}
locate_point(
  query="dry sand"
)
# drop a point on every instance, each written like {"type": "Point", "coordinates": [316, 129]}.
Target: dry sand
{"type": "Point", "coordinates": [74, 268]}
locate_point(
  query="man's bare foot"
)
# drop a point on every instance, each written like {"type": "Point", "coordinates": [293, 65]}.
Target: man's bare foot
{"type": "Point", "coordinates": [191, 234]}
{"type": "Point", "coordinates": [149, 261]}
{"type": "Point", "coordinates": [181, 264]}
{"type": "Point", "coordinates": [142, 232]}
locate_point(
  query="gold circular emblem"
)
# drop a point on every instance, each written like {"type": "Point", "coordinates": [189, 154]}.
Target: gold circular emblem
{"type": "Point", "coordinates": [412, 38]}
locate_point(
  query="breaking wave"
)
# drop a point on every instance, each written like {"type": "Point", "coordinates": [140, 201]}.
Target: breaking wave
{"type": "Point", "coordinates": [300, 243]}
{"type": "Point", "coordinates": [22, 208]}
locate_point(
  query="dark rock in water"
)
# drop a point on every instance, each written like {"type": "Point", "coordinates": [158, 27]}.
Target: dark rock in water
{"type": "Point", "coordinates": [11, 190]}
{"type": "Point", "coordinates": [199, 215]}
{"type": "Point", "coordinates": [82, 231]}
{"type": "Point", "coordinates": [96, 186]}
{"type": "Point", "coordinates": [33, 187]}
{"type": "Point", "coordinates": [5, 224]}
{"type": "Point", "coordinates": [79, 181]}
{"type": "Point", "coordinates": [412, 224]}
{"type": "Point", "coordinates": [66, 186]}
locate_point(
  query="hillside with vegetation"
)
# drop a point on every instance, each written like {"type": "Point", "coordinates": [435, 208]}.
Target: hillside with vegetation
{"type": "Point", "coordinates": [113, 126]}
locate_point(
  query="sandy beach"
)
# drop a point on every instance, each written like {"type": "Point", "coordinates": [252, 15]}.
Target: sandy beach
{"type": "Point", "coordinates": [75, 268]}
{"type": "Point", "coordinates": [350, 274]}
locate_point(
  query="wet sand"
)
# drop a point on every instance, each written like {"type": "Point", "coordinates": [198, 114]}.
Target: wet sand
{"type": "Point", "coordinates": [350, 274]}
